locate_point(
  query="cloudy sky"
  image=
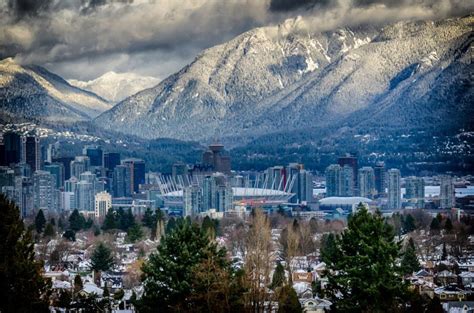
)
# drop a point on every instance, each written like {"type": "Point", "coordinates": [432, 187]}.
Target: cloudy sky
{"type": "Point", "coordinates": [82, 39]}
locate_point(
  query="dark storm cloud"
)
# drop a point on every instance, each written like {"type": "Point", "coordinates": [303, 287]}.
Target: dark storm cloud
{"type": "Point", "coordinates": [21, 8]}
{"type": "Point", "coordinates": [84, 38]}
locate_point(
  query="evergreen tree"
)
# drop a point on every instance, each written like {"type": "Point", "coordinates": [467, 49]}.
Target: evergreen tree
{"type": "Point", "coordinates": [434, 306]}
{"type": "Point", "coordinates": [101, 259]}
{"type": "Point", "coordinates": [435, 225]}
{"type": "Point", "coordinates": [70, 235]}
{"type": "Point", "coordinates": [313, 225]}
{"type": "Point", "coordinates": [49, 230]}
{"type": "Point", "coordinates": [40, 221]}
{"type": "Point", "coordinates": [362, 270]}
{"type": "Point", "coordinates": [78, 283]}
{"type": "Point", "coordinates": [76, 221]}
{"type": "Point", "coordinates": [288, 300]}
{"type": "Point", "coordinates": [23, 288]}
{"type": "Point", "coordinates": [278, 278]}
{"type": "Point", "coordinates": [52, 221]}
{"type": "Point", "coordinates": [88, 223]}
{"type": "Point", "coordinates": [448, 225]}
{"type": "Point", "coordinates": [410, 261]}
{"type": "Point", "coordinates": [170, 225]}
{"type": "Point", "coordinates": [135, 233]}
{"type": "Point", "coordinates": [110, 221]}
{"type": "Point", "coordinates": [148, 219]}
{"type": "Point", "coordinates": [208, 226]}
{"type": "Point", "coordinates": [61, 223]}
{"type": "Point", "coordinates": [409, 224]}
{"type": "Point", "coordinates": [444, 256]}
{"type": "Point", "coordinates": [169, 274]}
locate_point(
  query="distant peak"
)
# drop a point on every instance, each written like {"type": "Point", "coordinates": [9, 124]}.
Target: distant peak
{"type": "Point", "coordinates": [8, 60]}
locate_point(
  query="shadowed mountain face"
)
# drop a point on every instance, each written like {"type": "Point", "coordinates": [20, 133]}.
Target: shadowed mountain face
{"type": "Point", "coordinates": [31, 92]}
{"type": "Point", "coordinates": [281, 79]}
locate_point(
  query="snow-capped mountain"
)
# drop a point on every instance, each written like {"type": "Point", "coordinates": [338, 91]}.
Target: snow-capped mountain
{"type": "Point", "coordinates": [284, 78]}
{"type": "Point", "coordinates": [116, 86]}
{"type": "Point", "coordinates": [32, 92]}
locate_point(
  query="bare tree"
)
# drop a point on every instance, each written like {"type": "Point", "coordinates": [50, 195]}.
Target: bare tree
{"type": "Point", "coordinates": [258, 260]}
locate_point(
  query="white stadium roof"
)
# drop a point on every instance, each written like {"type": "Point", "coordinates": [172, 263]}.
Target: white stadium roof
{"type": "Point", "coordinates": [344, 200]}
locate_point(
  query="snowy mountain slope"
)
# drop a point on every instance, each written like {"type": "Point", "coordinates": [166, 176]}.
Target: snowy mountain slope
{"type": "Point", "coordinates": [279, 79]}
{"type": "Point", "coordinates": [116, 86]}
{"type": "Point", "coordinates": [34, 92]}
{"type": "Point", "coordinates": [225, 83]}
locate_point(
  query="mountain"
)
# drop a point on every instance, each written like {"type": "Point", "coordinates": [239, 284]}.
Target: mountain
{"type": "Point", "coordinates": [285, 79]}
{"type": "Point", "coordinates": [116, 86]}
{"type": "Point", "coordinates": [32, 92]}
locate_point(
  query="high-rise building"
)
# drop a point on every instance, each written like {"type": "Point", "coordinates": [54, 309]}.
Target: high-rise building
{"type": "Point", "coordinates": [137, 173]}
{"type": "Point", "coordinates": [446, 192]}
{"type": "Point", "coordinates": [52, 151]}
{"type": "Point", "coordinates": [103, 203]}
{"type": "Point", "coordinates": [44, 191]}
{"type": "Point", "coordinates": [347, 179]}
{"type": "Point", "coordinates": [94, 153]}
{"type": "Point", "coordinates": [302, 184]}
{"type": "Point", "coordinates": [56, 169]}
{"type": "Point", "coordinates": [179, 169]}
{"type": "Point", "coordinates": [380, 178]}
{"type": "Point", "coordinates": [415, 191]}
{"type": "Point", "coordinates": [333, 180]}
{"type": "Point", "coordinates": [351, 161]}
{"type": "Point", "coordinates": [80, 165]}
{"type": "Point", "coordinates": [394, 191]}
{"type": "Point", "coordinates": [12, 142]}
{"type": "Point", "coordinates": [7, 176]}
{"type": "Point", "coordinates": [275, 178]}
{"type": "Point", "coordinates": [216, 193]}
{"type": "Point", "coordinates": [67, 201]}
{"type": "Point", "coordinates": [215, 158]}
{"type": "Point", "coordinates": [3, 161]}
{"type": "Point", "coordinates": [66, 162]}
{"type": "Point", "coordinates": [84, 196]}
{"type": "Point", "coordinates": [30, 152]}
{"type": "Point", "coordinates": [366, 182]}
{"type": "Point", "coordinates": [192, 198]}
{"type": "Point", "coordinates": [111, 160]}
{"type": "Point", "coordinates": [122, 181]}
{"type": "Point", "coordinates": [23, 197]}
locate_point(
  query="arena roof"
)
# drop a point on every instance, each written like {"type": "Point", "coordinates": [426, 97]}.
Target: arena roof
{"type": "Point", "coordinates": [344, 200]}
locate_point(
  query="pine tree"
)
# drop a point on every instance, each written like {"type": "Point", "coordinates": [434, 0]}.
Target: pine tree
{"type": "Point", "coordinates": [76, 221]}
{"type": "Point", "coordinates": [448, 225]}
{"type": "Point", "coordinates": [40, 221]}
{"type": "Point", "coordinates": [435, 225]}
{"type": "Point", "coordinates": [49, 230]}
{"type": "Point", "coordinates": [110, 221]}
{"type": "Point", "coordinates": [313, 225]}
{"type": "Point", "coordinates": [169, 273]}
{"type": "Point", "coordinates": [148, 219]}
{"type": "Point", "coordinates": [208, 226]}
{"type": "Point", "coordinates": [135, 233]}
{"type": "Point", "coordinates": [70, 235]}
{"type": "Point", "coordinates": [23, 288]}
{"type": "Point", "coordinates": [52, 221]}
{"type": "Point", "coordinates": [101, 259]}
{"type": "Point", "coordinates": [409, 224]}
{"type": "Point", "coordinates": [61, 223]}
{"type": "Point", "coordinates": [78, 283]}
{"type": "Point", "coordinates": [362, 271]}
{"type": "Point", "coordinates": [410, 261]}
{"type": "Point", "coordinates": [170, 225]}
{"type": "Point", "coordinates": [278, 278]}
{"type": "Point", "coordinates": [288, 300]}
{"type": "Point", "coordinates": [444, 256]}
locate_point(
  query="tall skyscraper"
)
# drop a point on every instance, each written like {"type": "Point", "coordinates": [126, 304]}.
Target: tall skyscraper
{"type": "Point", "coordinates": [347, 179]}
{"type": "Point", "coordinates": [333, 180]}
{"type": "Point", "coordinates": [94, 153]}
{"type": "Point", "coordinates": [66, 162]}
{"type": "Point", "coordinates": [24, 195]}
{"type": "Point", "coordinates": [56, 169]}
{"type": "Point", "coordinates": [84, 196]}
{"type": "Point", "coordinates": [351, 161]}
{"type": "Point", "coordinates": [446, 192]}
{"type": "Point", "coordinates": [366, 182]}
{"type": "Point", "coordinates": [122, 181]}
{"type": "Point", "coordinates": [111, 160]}
{"type": "Point", "coordinates": [215, 158]}
{"type": "Point", "coordinates": [137, 172]}
{"type": "Point", "coordinates": [44, 191]}
{"type": "Point", "coordinates": [216, 193]}
{"type": "Point", "coordinates": [192, 198]}
{"type": "Point", "coordinates": [12, 142]}
{"type": "Point", "coordinates": [30, 152]}
{"type": "Point", "coordinates": [302, 186]}
{"type": "Point", "coordinates": [415, 191]}
{"type": "Point", "coordinates": [394, 192]}
{"type": "Point", "coordinates": [79, 165]}
{"type": "Point", "coordinates": [103, 203]}
{"type": "Point", "coordinates": [380, 178]}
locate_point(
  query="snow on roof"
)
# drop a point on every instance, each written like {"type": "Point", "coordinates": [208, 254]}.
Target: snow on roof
{"type": "Point", "coordinates": [92, 288]}
{"type": "Point", "coordinates": [59, 284]}
{"type": "Point", "coordinates": [301, 287]}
